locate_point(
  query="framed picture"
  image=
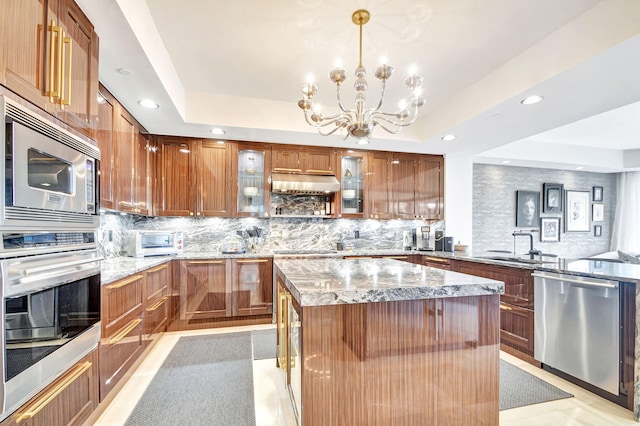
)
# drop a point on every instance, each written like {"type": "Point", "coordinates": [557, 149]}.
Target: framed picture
{"type": "Point", "coordinates": [598, 192]}
{"type": "Point", "coordinates": [598, 212]}
{"type": "Point", "coordinates": [577, 211]}
{"type": "Point", "coordinates": [597, 230]}
{"type": "Point", "coordinates": [550, 229]}
{"type": "Point", "coordinates": [552, 197]}
{"type": "Point", "coordinates": [527, 208]}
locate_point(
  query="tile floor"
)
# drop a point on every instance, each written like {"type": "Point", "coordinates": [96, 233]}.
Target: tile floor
{"type": "Point", "coordinates": [272, 400]}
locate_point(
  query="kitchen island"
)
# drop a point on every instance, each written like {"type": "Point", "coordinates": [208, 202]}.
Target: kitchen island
{"type": "Point", "coordinates": [384, 342]}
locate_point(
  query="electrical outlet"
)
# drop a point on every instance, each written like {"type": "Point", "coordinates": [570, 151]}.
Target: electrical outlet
{"type": "Point", "coordinates": [356, 234]}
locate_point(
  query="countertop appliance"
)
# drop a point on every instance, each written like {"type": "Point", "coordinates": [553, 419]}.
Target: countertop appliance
{"type": "Point", "coordinates": [577, 327]}
{"type": "Point", "coordinates": [425, 238]}
{"type": "Point", "coordinates": [153, 243]}
{"type": "Point", "coordinates": [51, 175]}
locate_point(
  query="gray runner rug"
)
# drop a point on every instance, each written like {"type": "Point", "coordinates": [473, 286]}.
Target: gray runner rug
{"type": "Point", "coordinates": [519, 388]}
{"type": "Point", "coordinates": [205, 380]}
{"type": "Point", "coordinates": [264, 343]}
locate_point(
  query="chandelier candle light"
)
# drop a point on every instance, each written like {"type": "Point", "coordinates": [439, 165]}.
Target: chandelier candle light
{"type": "Point", "coordinates": [360, 122]}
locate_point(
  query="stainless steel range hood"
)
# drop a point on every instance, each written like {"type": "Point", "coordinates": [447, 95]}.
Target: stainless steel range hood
{"type": "Point", "coordinates": [282, 183]}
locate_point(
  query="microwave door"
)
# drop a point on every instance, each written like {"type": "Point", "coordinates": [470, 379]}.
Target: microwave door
{"type": "Point", "coordinates": [149, 241]}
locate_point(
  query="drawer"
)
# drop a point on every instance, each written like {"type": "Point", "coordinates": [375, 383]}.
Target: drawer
{"type": "Point", "coordinates": [156, 316]}
{"type": "Point", "coordinates": [157, 280]}
{"type": "Point", "coordinates": [118, 352]}
{"type": "Point", "coordinates": [120, 299]}
{"type": "Point", "coordinates": [516, 327]}
{"type": "Point", "coordinates": [436, 262]}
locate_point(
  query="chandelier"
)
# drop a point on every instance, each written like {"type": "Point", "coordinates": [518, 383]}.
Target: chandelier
{"type": "Point", "coordinates": [360, 121]}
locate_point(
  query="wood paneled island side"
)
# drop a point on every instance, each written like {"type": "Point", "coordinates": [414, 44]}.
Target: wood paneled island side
{"type": "Point", "coordinates": [383, 342]}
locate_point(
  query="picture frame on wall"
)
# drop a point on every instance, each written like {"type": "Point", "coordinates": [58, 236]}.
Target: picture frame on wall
{"type": "Point", "coordinates": [597, 230]}
{"type": "Point", "coordinates": [598, 212]}
{"type": "Point", "coordinates": [577, 211]}
{"type": "Point", "coordinates": [527, 208]}
{"type": "Point", "coordinates": [550, 229]}
{"type": "Point", "coordinates": [598, 193]}
{"type": "Point", "coordinates": [552, 198]}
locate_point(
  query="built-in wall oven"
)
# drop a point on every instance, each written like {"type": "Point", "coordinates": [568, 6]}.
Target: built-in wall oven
{"type": "Point", "coordinates": [50, 296]}
{"type": "Point", "coordinates": [50, 174]}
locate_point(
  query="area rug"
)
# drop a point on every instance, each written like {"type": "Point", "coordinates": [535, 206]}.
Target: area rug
{"type": "Point", "coordinates": [519, 388]}
{"type": "Point", "coordinates": [205, 380]}
{"type": "Point", "coordinates": [264, 343]}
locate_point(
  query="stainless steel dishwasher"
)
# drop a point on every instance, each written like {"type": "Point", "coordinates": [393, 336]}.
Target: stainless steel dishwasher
{"type": "Point", "coordinates": [577, 327]}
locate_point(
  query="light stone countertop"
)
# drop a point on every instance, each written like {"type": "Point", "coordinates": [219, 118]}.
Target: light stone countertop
{"type": "Point", "coordinates": [331, 281]}
{"type": "Point", "coordinates": [116, 268]}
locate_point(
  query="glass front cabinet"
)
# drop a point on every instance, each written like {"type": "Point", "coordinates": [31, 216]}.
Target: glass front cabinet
{"type": "Point", "coordinates": [253, 195]}
{"type": "Point", "coordinates": [351, 175]}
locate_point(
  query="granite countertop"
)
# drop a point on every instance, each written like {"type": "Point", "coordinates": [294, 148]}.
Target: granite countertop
{"type": "Point", "coordinates": [116, 268]}
{"type": "Point", "coordinates": [331, 281]}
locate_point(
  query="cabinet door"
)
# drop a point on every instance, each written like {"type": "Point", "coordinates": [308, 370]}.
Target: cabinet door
{"type": "Point", "coordinates": [141, 190]}
{"type": "Point", "coordinates": [26, 30]}
{"type": "Point", "coordinates": [69, 400]}
{"type": "Point", "coordinates": [351, 172]}
{"type": "Point", "coordinates": [106, 143]}
{"type": "Point", "coordinates": [214, 179]}
{"type": "Point", "coordinates": [156, 309]}
{"type": "Point", "coordinates": [377, 184]}
{"type": "Point", "coordinates": [516, 327]}
{"type": "Point", "coordinates": [126, 135]}
{"type": "Point", "coordinates": [78, 104]}
{"type": "Point", "coordinates": [205, 292]}
{"type": "Point", "coordinates": [252, 287]}
{"type": "Point", "coordinates": [175, 169]}
{"type": "Point", "coordinates": [318, 160]}
{"type": "Point", "coordinates": [286, 159]}
{"type": "Point", "coordinates": [430, 187]}
{"type": "Point", "coordinates": [252, 192]}
{"type": "Point", "coordinates": [403, 186]}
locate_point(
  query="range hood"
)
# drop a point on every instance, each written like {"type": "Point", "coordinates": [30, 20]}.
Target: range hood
{"type": "Point", "coordinates": [282, 183]}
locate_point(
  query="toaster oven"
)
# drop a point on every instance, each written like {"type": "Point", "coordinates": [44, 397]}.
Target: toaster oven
{"type": "Point", "coordinates": [153, 243]}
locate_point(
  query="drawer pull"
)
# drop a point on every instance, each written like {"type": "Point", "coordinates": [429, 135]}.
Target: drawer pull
{"type": "Point", "coordinates": [157, 304]}
{"type": "Point", "coordinates": [505, 308]}
{"type": "Point", "coordinates": [435, 259]}
{"type": "Point", "coordinates": [328, 172]}
{"type": "Point", "coordinates": [206, 262]}
{"type": "Point", "coordinates": [357, 257]}
{"type": "Point", "coordinates": [74, 374]}
{"type": "Point", "coordinates": [133, 324]}
{"type": "Point", "coordinates": [158, 268]}
{"type": "Point", "coordinates": [252, 261]}
{"type": "Point", "coordinates": [126, 282]}
{"type": "Point", "coordinates": [397, 257]}
{"type": "Point", "coordinates": [284, 169]}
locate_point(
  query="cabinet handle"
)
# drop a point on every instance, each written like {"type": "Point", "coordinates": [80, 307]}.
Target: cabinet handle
{"type": "Point", "coordinates": [158, 268]}
{"type": "Point", "coordinates": [284, 169]}
{"type": "Point", "coordinates": [157, 304]}
{"type": "Point", "coordinates": [126, 330]}
{"type": "Point", "coordinates": [252, 261]}
{"type": "Point", "coordinates": [67, 101]}
{"type": "Point", "coordinates": [53, 90]}
{"type": "Point", "coordinates": [505, 308]}
{"type": "Point", "coordinates": [435, 259]}
{"type": "Point", "coordinates": [124, 282]}
{"type": "Point", "coordinates": [357, 257]}
{"type": "Point", "coordinates": [319, 171]}
{"type": "Point", "coordinates": [75, 373]}
{"type": "Point", "coordinates": [205, 262]}
{"type": "Point", "coordinates": [397, 257]}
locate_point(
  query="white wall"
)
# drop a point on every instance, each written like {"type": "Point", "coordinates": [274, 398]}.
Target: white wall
{"type": "Point", "coordinates": [458, 195]}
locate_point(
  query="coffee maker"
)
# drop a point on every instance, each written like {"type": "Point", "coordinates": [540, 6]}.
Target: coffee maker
{"type": "Point", "coordinates": [425, 238]}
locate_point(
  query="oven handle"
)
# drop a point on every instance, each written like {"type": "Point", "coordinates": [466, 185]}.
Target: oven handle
{"type": "Point", "coordinates": [47, 268]}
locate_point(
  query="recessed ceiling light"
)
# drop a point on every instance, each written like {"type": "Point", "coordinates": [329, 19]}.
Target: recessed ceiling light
{"type": "Point", "coordinates": [125, 71]}
{"type": "Point", "coordinates": [220, 142]}
{"type": "Point", "coordinates": [448, 137]}
{"type": "Point", "coordinates": [530, 100]}
{"type": "Point", "coordinates": [362, 141]}
{"type": "Point", "coordinates": [506, 162]}
{"type": "Point", "coordinates": [218, 131]}
{"type": "Point", "coordinates": [101, 99]}
{"type": "Point", "coordinates": [148, 103]}
{"type": "Point", "coordinates": [579, 168]}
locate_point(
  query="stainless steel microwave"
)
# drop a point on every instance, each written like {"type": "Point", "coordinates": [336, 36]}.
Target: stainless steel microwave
{"type": "Point", "coordinates": [50, 174]}
{"type": "Point", "coordinates": [153, 243]}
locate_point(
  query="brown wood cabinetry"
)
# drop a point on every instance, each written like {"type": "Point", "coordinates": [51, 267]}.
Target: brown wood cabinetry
{"type": "Point", "coordinates": [436, 262]}
{"type": "Point", "coordinates": [69, 400]}
{"type": "Point", "coordinates": [194, 177]}
{"type": "Point", "coordinates": [121, 339]}
{"type": "Point", "coordinates": [252, 286]}
{"type": "Point", "coordinates": [516, 305]}
{"type": "Point", "coordinates": [106, 142]}
{"type": "Point", "coordinates": [156, 307]}
{"type": "Point", "coordinates": [377, 186]}
{"type": "Point", "coordinates": [352, 168]}
{"type": "Point", "coordinates": [303, 159]}
{"type": "Point", "coordinates": [205, 292]}
{"type": "Point", "coordinates": [429, 187]}
{"type": "Point", "coordinates": [252, 170]}
{"type": "Point", "coordinates": [49, 54]}
{"type": "Point", "coordinates": [403, 185]}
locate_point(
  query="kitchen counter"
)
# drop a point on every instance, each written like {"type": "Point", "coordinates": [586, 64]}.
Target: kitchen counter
{"type": "Point", "coordinates": [330, 281]}
{"type": "Point", "coordinates": [116, 268]}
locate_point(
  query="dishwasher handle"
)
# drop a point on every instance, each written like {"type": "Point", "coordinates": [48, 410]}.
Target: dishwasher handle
{"type": "Point", "coordinates": [583, 283]}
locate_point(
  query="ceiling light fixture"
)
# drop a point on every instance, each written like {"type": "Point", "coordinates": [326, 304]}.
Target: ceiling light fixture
{"type": "Point", "coordinates": [217, 131]}
{"type": "Point", "coordinates": [360, 121]}
{"type": "Point", "coordinates": [579, 168]}
{"type": "Point", "coordinates": [506, 161]}
{"type": "Point", "coordinates": [530, 100]}
{"type": "Point", "coordinates": [448, 137]}
{"type": "Point", "coordinates": [148, 103]}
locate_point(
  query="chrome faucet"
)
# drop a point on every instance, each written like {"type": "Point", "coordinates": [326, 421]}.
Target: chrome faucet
{"type": "Point", "coordinates": [532, 251]}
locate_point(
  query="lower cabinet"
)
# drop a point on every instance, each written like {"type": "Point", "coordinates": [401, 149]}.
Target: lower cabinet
{"type": "Point", "coordinates": [252, 286]}
{"type": "Point", "coordinates": [69, 400]}
{"type": "Point", "coordinates": [157, 300]}
{"type": "Point", "coordinates": [121, 339]}
{"type": "Point", "coordinates": [516, 327]}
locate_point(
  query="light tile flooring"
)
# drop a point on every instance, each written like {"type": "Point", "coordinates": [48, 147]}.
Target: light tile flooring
{"type": "Point", "coordinates": [272, 400]}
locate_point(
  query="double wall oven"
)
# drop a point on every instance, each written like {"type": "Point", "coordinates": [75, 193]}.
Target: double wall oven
{"type": "Point", "coordinates": [49, 263]}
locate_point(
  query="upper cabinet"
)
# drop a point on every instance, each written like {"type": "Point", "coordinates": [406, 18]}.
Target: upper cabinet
{"type": "Point", "coordinates": [351, 173]}
{"type": "Point", "coordinates": [49, 53]}
{"type": "Point", "coordinates": [193, 177]}
{"type": "Point", "coordinates": [252, 192]}
{"type": "Point", "coordinates": [303, 159]}
{"type": "Point", "coordinates": [106, 143]}
{"type": "Point", "coordinates": [377, 183]}
{"type": "Point", "coordinates": [429, 194]}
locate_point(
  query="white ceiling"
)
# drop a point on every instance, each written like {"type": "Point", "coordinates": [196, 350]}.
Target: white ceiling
{"type": "Point", "coordinates": [240, 65]}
